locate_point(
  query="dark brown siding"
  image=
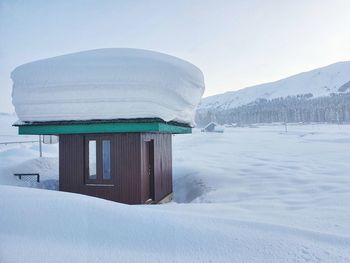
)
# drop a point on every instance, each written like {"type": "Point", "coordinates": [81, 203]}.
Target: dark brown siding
{"type": "Point", "coordinates": [162, 164]}
{"type": "Point", "coordinates": [71, 163]}
{"type": "Point", "coordinates": [128, 167]}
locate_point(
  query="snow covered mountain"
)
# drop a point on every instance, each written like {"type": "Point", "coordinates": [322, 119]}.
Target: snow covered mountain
{"type": "Point", "coordinates": [334, 78]}
{"type": "Point", "coordinates": [320, 95]}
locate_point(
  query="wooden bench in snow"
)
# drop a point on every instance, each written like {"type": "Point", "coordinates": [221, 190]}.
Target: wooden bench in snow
{"type": "Point", "coordinates": [30, 175]}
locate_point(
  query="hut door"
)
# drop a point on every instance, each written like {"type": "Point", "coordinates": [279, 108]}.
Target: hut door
{"type": "Point", "coordinates": [149, 176]}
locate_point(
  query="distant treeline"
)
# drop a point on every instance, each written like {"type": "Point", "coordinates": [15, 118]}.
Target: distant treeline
{"type": "Point", "coordinates": [301, 108]}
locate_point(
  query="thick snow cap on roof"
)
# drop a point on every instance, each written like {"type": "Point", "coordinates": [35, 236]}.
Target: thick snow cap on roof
{"type": "Point", "coordinates": [114, 83]}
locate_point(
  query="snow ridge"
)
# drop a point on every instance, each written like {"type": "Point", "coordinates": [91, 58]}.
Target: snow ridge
{"type": "Point", "coordinates": [324, 81]}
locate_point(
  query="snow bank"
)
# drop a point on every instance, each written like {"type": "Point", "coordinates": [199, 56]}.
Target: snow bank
{"type": "Point", "coordinates": [60, 226]}
{"type": "Point", "coordinates": [23, 157]}
{"type": "Point", "coordinates": [107, 84]}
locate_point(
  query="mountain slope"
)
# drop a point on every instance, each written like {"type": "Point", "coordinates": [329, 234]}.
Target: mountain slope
{"type": "Point", "coordinates": [319, 82]}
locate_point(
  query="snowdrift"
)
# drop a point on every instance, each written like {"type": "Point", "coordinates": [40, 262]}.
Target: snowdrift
{"type": "Point", "coordinates": [60, 226]}
{"type": "Point", "coordinates": [113, 83]}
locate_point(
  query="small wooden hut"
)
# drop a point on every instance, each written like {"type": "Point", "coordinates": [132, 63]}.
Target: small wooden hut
{"type": "Point", "coordinates": [124, 161]}
{"type": "Point", "coordinates": [115, 111]}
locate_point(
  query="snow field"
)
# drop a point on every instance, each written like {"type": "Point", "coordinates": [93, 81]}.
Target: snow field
{"type": "Point", "coordinates": [84, 229]}
{"type": "Point", "coordinates": [245, 195]}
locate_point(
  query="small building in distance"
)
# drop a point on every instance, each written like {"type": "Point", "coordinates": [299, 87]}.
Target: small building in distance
{"type": "Point", "coordinates": [213, 127]}
{"type": "Point", "coordinates": [115, 111]}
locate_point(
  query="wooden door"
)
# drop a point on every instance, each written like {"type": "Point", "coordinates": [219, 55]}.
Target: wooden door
{"type": "Point", "coordinates": [149, 177]}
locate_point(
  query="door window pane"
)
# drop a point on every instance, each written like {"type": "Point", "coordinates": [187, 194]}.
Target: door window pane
{"type": "Point", "coordinates": [106, 157]}
{"type": "Point", "coordinates": [92, 159]}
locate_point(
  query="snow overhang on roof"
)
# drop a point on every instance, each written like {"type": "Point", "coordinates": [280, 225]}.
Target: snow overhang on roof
{"type": "Point", "coordinates": [101, 126]}
{"type": "Point", "coordinates": [112, 83]}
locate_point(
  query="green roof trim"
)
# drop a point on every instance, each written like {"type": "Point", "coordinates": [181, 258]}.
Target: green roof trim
{"type": "Point", "coordinates": [110, 127]}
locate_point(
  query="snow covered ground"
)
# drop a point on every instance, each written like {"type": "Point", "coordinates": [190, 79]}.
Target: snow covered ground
{"type": "Point", "coordinates": [24, 157]}
{"type": "Point", "coordinates": [245, 195]}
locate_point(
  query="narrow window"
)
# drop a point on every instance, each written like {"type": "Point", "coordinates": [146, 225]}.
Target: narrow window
{"type": "Point", "coordinates": [106, 157]}
{"type": "Point", "coordinates": [92, 159]}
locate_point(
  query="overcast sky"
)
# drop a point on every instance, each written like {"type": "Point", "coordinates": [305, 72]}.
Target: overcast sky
{"type": "Point", "coordinates": [235, 43]}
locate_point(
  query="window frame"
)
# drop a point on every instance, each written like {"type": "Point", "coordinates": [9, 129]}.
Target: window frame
{"type": "Point", "coordinates": [99, 181]}
{"type": "Point", "coordinates": [88, 159]}
{"type": "Point", "coordinates": [109, 160]}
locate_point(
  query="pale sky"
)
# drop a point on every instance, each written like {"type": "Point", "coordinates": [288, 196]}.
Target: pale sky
{"type": "Point", "coordinates": [235, 43]}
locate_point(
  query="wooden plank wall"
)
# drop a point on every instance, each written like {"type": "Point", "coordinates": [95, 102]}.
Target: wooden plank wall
{"type": "Point", "coordinates": [128, 167]}
{"type": "Point", "coordinates": [125, 168]}
{"type": "Point", "coordinates": [162, 164]}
